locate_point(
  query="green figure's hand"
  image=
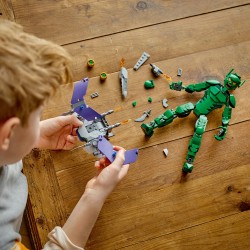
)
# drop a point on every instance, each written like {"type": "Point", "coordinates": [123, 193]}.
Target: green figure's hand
{"type": "Point", "coordinates": [176, 86]}
{"type": "Point", "coordinates": [221, 134]}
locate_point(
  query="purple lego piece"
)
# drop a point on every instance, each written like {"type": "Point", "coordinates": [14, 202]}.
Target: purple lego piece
{"type": "Point", "coordinates": [87, 113]}
{"type": "Point", "coordinates": [80, 90]}
{"type": "Point", "coordinates": [106, 149]}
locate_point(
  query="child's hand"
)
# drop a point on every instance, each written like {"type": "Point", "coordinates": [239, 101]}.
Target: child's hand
{"type": "Point", "coordinates": [108, 176]}
{"type": "Point", "coordinates": [58, 132]}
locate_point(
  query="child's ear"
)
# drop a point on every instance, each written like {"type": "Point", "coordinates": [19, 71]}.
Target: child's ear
{"type": "Point", "coordinates": [6, 131]}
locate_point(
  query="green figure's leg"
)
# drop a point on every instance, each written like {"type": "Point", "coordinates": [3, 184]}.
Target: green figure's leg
{"type": "Point", "coordinates": [195, 143]}
{"type": "Point", "coordinates": [166, 118]}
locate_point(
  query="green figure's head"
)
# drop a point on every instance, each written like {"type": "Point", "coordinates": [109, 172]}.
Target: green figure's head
{"type": "Point", "coordinates": [232, 81]}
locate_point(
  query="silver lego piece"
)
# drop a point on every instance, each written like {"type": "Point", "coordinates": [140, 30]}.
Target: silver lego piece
{"type": "Point", "coordinates": [124, 81]}
{"type": "Point", "coordinates": [156, 71]}
{"type": "Point", "coordinates": [143, 117]}
{"type": "Point", "coordinates": [179, 72]}
{"type": "Point", "coordinates": [165, 151]}
{"type": "Point", "coordinates": [165, 103]}
{"type": "Point", "coordinates": [144, 57]}
{"type": "Point", "coordinates": [94, 95]}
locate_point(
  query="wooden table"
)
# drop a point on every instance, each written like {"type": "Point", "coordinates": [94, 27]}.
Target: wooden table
{"type": "Point", "coordinates": [154, 207]}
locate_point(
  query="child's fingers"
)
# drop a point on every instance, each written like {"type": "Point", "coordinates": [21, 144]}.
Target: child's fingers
{"type": "Point", "coordinates": [120, 158]}
{"type": "Point", "coordinates": [71, 120]}
{"type": "Point", "coordinates": [117, 148]}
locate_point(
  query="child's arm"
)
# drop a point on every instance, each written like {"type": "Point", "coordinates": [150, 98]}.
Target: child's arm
{"type": "Point", "coordinates": [58, 132]}
{"type": "Point", "coordinates": [81, 221]}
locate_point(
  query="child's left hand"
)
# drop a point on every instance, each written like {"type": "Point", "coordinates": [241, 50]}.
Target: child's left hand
{"type": "Point", "coordinates": [58, 133]}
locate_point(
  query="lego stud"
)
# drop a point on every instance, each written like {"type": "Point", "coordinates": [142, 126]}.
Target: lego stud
{"type": "Point", "coordinates": [90, 63]}
{"type": "Point", "coordinates": [103, 76]}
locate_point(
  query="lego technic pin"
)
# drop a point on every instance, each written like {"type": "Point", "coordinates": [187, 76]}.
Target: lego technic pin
{"type": "Point", "coordinates": [216, 96]}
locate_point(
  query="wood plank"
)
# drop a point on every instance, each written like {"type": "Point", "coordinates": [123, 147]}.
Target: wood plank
{"type": "Point", "coordinates": [6, 10]}
{"type": "Point", "coordinates": [162, 42]}
{"type": "Point", "coordinates": [220, 61]}
{"type": "Point", "coordinates": [170, 209]}
{"type": "Point", "coordinates": [44, 193]}
{"type": "Point", "coordinates": [228, 233]}
{"type": "Point", "coordinates": [80, 20]}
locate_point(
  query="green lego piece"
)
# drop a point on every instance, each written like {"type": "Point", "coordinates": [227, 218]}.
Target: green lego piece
{"type": "Point", "coordinates": [150, 99]}
{"type": "Point", "coordinates": [216, 96]}
{"type": "Point", "coordinates": [149, 84]}
{"type": "Point", "coordinates": [134, 104]}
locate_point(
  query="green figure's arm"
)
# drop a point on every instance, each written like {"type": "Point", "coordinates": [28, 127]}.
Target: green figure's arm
{"type": "Point", "coordinates": [226, 116]}
{"type": "Point", "coordinates": [193, 87]}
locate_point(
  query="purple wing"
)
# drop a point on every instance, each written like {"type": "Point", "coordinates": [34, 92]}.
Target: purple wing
{"type": "Point", "coordinates": [106, 149]}
{"type": "Point", "coordinates": [80, 90]}
{"type": "Point", "coordinates": [87, 113]}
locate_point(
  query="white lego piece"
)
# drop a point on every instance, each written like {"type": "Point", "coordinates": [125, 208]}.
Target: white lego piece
{"type": "Point", "coordinates": [144, 57]}
{"type": "Point", "coordinates": [165, 151]}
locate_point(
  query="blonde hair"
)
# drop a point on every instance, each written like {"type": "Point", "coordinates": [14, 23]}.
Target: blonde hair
{"type": "Point", "coordinates": [31, 69]}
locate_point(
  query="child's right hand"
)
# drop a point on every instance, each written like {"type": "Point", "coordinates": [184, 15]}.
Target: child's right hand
{"type": "Point", "coordinates": [108, 176]}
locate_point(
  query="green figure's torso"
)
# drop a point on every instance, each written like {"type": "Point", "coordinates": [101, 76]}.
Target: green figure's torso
{"type": "Point", "coordinates": [215, 97]}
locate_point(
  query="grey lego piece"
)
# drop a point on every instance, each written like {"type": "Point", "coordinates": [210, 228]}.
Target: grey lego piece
{"type": "Point", "coordinates": [156, 70]}
{"type": "Point", "coordinates": [144, 57]}
{"type": "Point", "coordinates": [94, 95]}
{"type": "Point", "coordinates": [124, 81]}
{"type": "Point", "coordinates": [165, 151]}
{"type": "Point", "coordinates": [143, 117]}
{"type": "Point", "coordinates": [165, 103]}
{"type": "Point", "coordinates": [179, 73]}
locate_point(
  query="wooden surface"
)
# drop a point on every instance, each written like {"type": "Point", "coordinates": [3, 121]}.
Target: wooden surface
{"type": "Point", "coordinates": [154, 207]}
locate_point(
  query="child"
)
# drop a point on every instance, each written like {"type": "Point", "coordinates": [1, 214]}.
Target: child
{"type": "Point", "coordinates": [31, 69]}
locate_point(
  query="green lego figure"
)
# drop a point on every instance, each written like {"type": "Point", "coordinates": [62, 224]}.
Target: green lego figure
{"type": "Point", "coordinates": [216, 95]}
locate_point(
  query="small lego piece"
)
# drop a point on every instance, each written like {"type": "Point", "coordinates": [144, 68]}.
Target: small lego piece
{"type": "Point", "coordinates": [90, 63]}
{"type": "Point", "coordinates": [124, 78]}
{"type": "Point", "coordinates": [94, 95]}
{"type": "Point", "coordinates": [103, 76]}
{"type": "Point", "coordinates": [150, 99]}
{"type": "Point", "coordinates": [165, 102]}
{"type": "Point", "coordinates": [149, 84]}
{"type": "Point", "coordinates": [143, 117]}
{"type": "Point", "coordinates": [165, 151]}
{"type": "Point", "coordinates": [179, 73]}
{"type": "Point", "coordinates": [134, 104]}
{"type": "Point", "coordinates": [156, 71]}
{"type": "Point", "coordinates": [144, 57]}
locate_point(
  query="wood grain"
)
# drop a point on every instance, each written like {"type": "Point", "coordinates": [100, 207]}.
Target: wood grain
{"type": "Point", "coordinates": [155, 207]}
{"type": "Point", "coordinates": [6, 10]}
{"type": "Point", "coordinates": [229, 233]}
{"type": "Point", "coordinates": [70, 21]}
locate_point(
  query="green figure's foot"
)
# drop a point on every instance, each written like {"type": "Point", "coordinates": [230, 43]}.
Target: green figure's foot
{"type": "Point", "coordinates": [147, 129]}
{"type": "Point", "coordinates": [187, 167]}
